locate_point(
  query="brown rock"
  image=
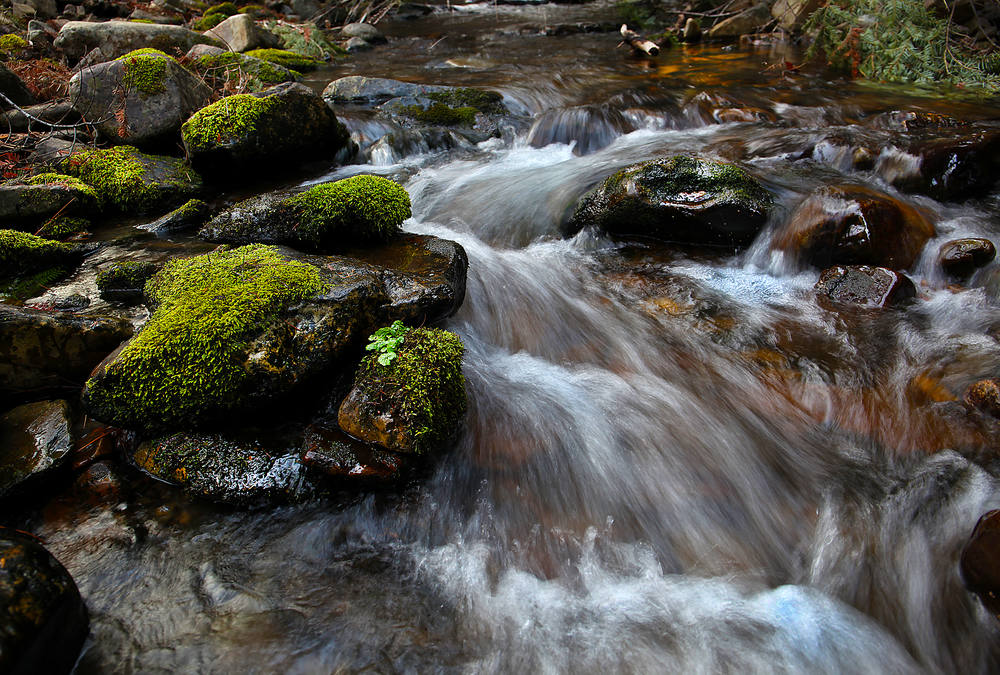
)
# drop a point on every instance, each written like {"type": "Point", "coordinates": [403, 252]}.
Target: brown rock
{"type": "Point", "coordinates": [962, 257]}
{"type": "Point", "coordinates": [864, 285]}
{"type": "Point", "coordinates": [980, 563]}
{"type": "Point", "coordinates": [335, 453]}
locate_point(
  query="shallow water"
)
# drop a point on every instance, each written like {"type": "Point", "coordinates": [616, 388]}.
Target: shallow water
{"type": "Point", "coordinates": [672, 462]}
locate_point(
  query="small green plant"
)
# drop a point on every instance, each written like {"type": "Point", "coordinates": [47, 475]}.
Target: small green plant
{"type": "Point", "coordinates": [386, 341]}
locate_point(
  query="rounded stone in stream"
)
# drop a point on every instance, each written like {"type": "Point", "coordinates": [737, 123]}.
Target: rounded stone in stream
{"type": "Point", "coordinates": [980, 563]}
{"type": "Point", "coordinates": [984, 395]}
{"type": "Point", "coordinates": [34, 439]}
{"type": "Point", "coordinates": [336, 454]}
{"type": "Point", "coordinates": [226, 469]}
{"type": "Point", "coordinates": [854, 225]}
{"type": "Point", "coordinates": [44, 621]}
{"type": "Point", "coordinates": [683, 200]}
{"type": "Point", "coordinates": [865, 286]}
{"type": "Point", "coordinates": [961, 257]}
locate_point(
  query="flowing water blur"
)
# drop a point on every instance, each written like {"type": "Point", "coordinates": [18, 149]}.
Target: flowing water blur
{"type": "Point", "coordinates": [672, 462]}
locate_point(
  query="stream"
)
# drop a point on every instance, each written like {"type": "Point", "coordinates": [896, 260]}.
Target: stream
{"type": "Point", "coordinates": [673, 461]}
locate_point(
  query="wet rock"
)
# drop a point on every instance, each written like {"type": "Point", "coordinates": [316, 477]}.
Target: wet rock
{"type": "Point", "coordinates": [312, 316]}
{"type": "Point", "coordinates": [683, 200]}
{"type": "Point", "coordinates": [123, 281]}
{"type": "Point", "coordinates": [360, 89]}
{"type": "Point", "coordinates": [30, 201]}
{"type": "Point", "coordinates": [71, 303]}
{"type": "Point", "coordinates": [854, 225]}
{"type": "Point", "coordinates": [980, 562]}
{"type": "Point", "coordinates": [44, 619]}
{"type": "Point", "coordinates": [866, 286]}
{"type": "Point", "coordinates": [336, 454]}
{"type": "Point", "coordinates": [356, 44]}
{"type": "Point", "coordinates": [413, 402]}
{"type": "Point", "coordinates": [954, 167]}
{"type": "Point", "coordinates": [34, 439]}
{"type": "Point", "coordinates": [365, 31]}
{"type": "Point", "coordinates": [239, 33]}
{"type": "Point", "coordinates": [149, 94]}
{"type": "Point", "coordinates": [56, 112]}
{"type": "Point", "coordinates": [193, 213]}
{"type": "Point", "coordinates": [117, 38]}
{"type": "Point", "coordinates": [226, 469]}
{"type": "Point", "coordinates": [22, 254]}
{"type": "Point", "coordinates": [709, 108]}
{"type": "Point", "coordinates": [43, 353]}
{"type": "Point", "coordinates": [288, 120]}
{"type": "Point", "coordinates": [100, 482]}
{"type": "Point", "coordinates": [13, 88]}
{"type": "Point", "coordinates": [984, 395]}
{"type": "Point", "coordinates": [961, 257]}
{"type": "Point", "coordinates": [589, 128]}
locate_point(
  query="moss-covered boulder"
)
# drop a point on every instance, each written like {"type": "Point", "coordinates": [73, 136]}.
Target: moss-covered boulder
{"type": "Point", "coordinates": [43, 616]}
{"type": "Point", "coordinates": [22, 253]}
{"type": "Point", "coordinates": [229, 71]}
{"type": "Point", "coordinates": [124, 281]}
{"type": "Point", "coordinates": [64, 227]}
{"type": "Point", "coordinates": [133, 181]}
{"type": "Point", "coordinates": [226, 469]}
{"type": "Point", "coordinates": [141, 98]}
{"type": "Point", "coordinates": [238, 331]}
{"type": "Point", "coordinates": [329, 216]}
{"type": "Point", "coordinates": [289, 120]}
{"type": "Point", "coordinates": [854, 225]}
{"type": "Point", "coordinates": [27, 202]}
{"type": "Point", "coordinates": [681, 199]}
{"type": "Point", "coordinates": [189, 215]}
{"type": "Point", "coordinates": [409, 396]}
{"type": "Point", "coordinates": [306, 39]}
{"type": "Point", "coordinates": [286, 59]}
{"type": "Point", "coordinates": [34, 439]}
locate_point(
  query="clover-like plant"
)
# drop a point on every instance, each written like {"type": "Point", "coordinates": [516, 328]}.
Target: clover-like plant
{"type": "Point", "coordinates": [386, 341]}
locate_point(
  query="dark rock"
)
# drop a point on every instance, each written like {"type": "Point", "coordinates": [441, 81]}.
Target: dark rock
{"type": "Point", "coordinates": [360, 89]}
{"type": "Point", "coordinates": [984, 395]}
{"type": "Point", "coordinates": [854, 225]}
{"type": "Point", "coordinates": [100, 481]}
{"type": "Point", "coordinates": [43, 616]}
{"type": "Point", "coordinates": [225, 469]}
{"type": "Point", "coordinates": [13, 88]}
{"type": "Point", "coordinates": [954, 167]}
{"type": "Point", "coordinates": [590, 128]}
{"type": "Point", "coordinates": [684, 200]}
{"type": "Point", "coordinates": [865, 285]}
{"type": "Point", "coordinates": [117, 38]}
{"type": "Point", "coordinates": [692, 30]}
{"type": "Point", "coordinates": [43, 353]}
{"type": "Point", "coordinates": [72, 303]}
{"type": "Point", "coordinates": [34, 439]}
{"type": "Point", "coordinates": [412, 10]}
{"type": "Point", "coordinates": [31, 203]}
{"type": "Point", "coordinates": [288, 120]}
{"type": "Point", "coordinates": [980, 563]}
{"type": "Point", "coordinates": [56, 112]}
{"type": "Point", "coordinates": [190, 215]}
{"type": "Point", "coordinates": [960, 258]}
{"type": "Point", "coordinates": [331, 451]}
{"type": "Point", "coordinates": [123, 281]}
{"type": "Point", "coordinates": [138, 99]}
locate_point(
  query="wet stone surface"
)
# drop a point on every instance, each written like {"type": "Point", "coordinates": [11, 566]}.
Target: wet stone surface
{"type": "Point", "coordinates": [34, 439]}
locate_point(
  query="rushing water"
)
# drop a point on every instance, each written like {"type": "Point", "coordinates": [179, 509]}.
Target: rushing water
{"type": "Point", "coordinates": [672, 462]}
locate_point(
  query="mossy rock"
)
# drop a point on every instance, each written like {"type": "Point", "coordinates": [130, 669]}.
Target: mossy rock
{"type": "Point", "coordinates": [191, 214]}
{"type": "Point", "coordinates": [208, 21]}
{"type": "Point", "coordinates": [124, 281]}
{"type": "Point", "coordinates": [286, 59]}
{"type": "Point", "coordinates": [62, 229]}
{"type": "Point", "coordinates": [413, 403]}
{"type": "Point", "coordinates": [439, 114]}
{"type": "Point", "coordinates": [12, 42]}
{"type": "Point", "coordinates": [133, 181]}
{"type": "Point", "coordinates": [30, 201]}
{"type": "Point", "coordinates": [22, 254]}
{"type": "Point", "coordinates": [287, 121]}
{"type": "Point", "coordinates": [681, 199]}
{"type": "Point", "coordinates": [329, 216]}
{"type": "Point", "coordinates": [306, 40]}
{"type": "Point", "coordinates": [221, 69]}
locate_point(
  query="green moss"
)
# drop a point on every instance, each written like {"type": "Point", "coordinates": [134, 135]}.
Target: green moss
{"type": "Point", "coordinates": [145, 70]}
{"type": "Point", "coordinates": [64, 228]}
{"type": "Point", "coordinates": [225, 8]}
{"type": "Point", "coordinates": [128, 275]}
{"type": "Point", "coordinates": [423, 385]}
{"type": "Point", "coordinates": [187, 361]}
{"type": "Point", "coordinates": [12, 43]}
{"type": "Point", "coordinates": [306, 39]}
{"type": "Point", "coordinates": [227, 119]}
{"type": "Point", "coordinates": [223, 68]}
{"type": "Point", "coordinates": [256, 11]}
{"type": "Point", "coordinates": [440, 114]}
{"type": "Point", "coordinates": [141, 21]}
{"type": "Point", "coordinates": [285, 58]}
{"type": "Point", "coordinates": [22, 253]}
{"type": "Point", "coordinates": [359, 208]}
{"type": "Point", "coordinates": [483, 100]}
{"type": "Point", "coordinates": [62, 180]}
{"type": "Point", "coordinates": [208, 22]}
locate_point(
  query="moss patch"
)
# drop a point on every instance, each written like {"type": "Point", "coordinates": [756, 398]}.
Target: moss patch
{"type": "Point", "coordinates": [208, 22]}
{"type": "Point", "coordinates": [187, 362]}
{"type": "Point", "coordinates": [484, 101]}
{"type": "Point", "coordinates": [226, 8]}
{"type": "Point", "coordinates": [12, 43]}
{"type": "Point", "coordinates": [306, 39]}
{"type": "Point", "coordinates": [64, 228]}
{"type": "Point", "coordinates": [128, 275]}
{"type": "Point", "coordinates": [22, 253]}
{"type": "Point", "coordinates": [62, 180]}
{"type": "Point", "coordinates": [359, 208]}
{"type": "Point", "coordinates": [442, 115]}
{"type": "Point", "coordinates": [423, 385]}
{"type": "Point", "coordinates": [228, 119]}
{"type": "Point", "coordinates": [285, 58]}
{"type": "Point", "coordinates": [145, 70]}
{"type": "Point", "coordinates": [221, 70]}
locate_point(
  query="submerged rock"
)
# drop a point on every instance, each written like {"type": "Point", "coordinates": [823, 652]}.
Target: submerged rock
{"type": "Point", "coordinates": [43, 616]}
{"type": "Point", "coordinates": [854, 225]}
{"type": "Point", "coordinates": [44, 353]}
{"type": "Point", "coordinates": [286, 121]}
{"type": "Point", "coordinates": [140, 98]}
{"type": "Point", "coordinates": [410, 397]}
{"type": "Point", "coordinates": [866, 286]}
{"type": "Point", "coordinates": [684, 200]}
{"type": "Point", "coordinates": [956, 166]}
{"type": "Point", "coordinates": [328, 216]}
{"type": "Point", "coordinates": [961, 257]}
{"type": "Point", "coordinates": [34, 439]}
{"type": "Point", "coordinates": [226, 469]}
{"type": "Point", "coordinates": [980, 562]}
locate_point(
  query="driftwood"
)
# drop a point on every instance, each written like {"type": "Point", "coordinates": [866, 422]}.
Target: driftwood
{"type": "Point", "coordinates": [638, 43]}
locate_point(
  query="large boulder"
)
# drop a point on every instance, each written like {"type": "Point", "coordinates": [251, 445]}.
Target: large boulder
{"type": "Point", "coordinates": [684, 200]}
{"type": "Point", "coordinates": [30, 201]}
{"type": "Point", "coordinates": [288, 120]}
{"type": "Point", "coordinates": [140, 98]}
{"type": "Point", "coordinates": [133, 181]}
{"type": "Point", "coordinates": [854, 225]}
{"type": "Point", "coordinates": [43, 353]}
{"type": "Point", "coordinates": [34, 439]}
{"type": "Point", "coordinates": [239, 33]}
{"type": "Point", "coordinates": [865, 286]}
{"type": "Point", "coordinates": [409, 395]}
{"type": "Point", "coordinates": [43, 616]}
{"type": "Point", "coordinates": [117, 38]}
{"type": "Point", "coordinates": [328, 216]}
{"type": "Point", "coordinates": [234, 332]}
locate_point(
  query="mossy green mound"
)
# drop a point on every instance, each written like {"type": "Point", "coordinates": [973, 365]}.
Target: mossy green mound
{"type": "Point", "coordinates": [226, 120]}
{"type": "Point", "coordinates": [131, 180]}
{"type": "Point", "coordinates": [221, 70]}
{"type": "Point", "coordinates": [145, 70]}
{"type": "Point", "coordinates": [208, 22]}
{"type": "Point", "coordinates": [285, 58]}
{"type": "Point", "coordinates": [483, 100]}
{"type": "Point", "coordinates": [442, 115]}
{"type": "Point", "coordinates": [64, 228]}
{"type": "Point", "coordinates": [421, 389]}
{"type": "Point", "coordinates": [306, 39]}
{"type": "Point", "coordinates": [64, 181]}
{"type": "Point", "coordinates": [356, 209]}
{"type": "Point", "coordinates": [22, 253]}
{"type": "Point", "coordinates": [11, 42]}
{"type": "Point", "coordinates": [187, 363]}
{"type": "Point", "coordinates": [127, 276]}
